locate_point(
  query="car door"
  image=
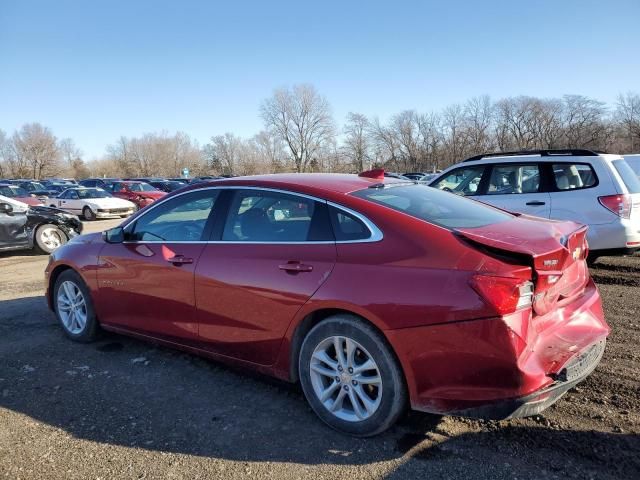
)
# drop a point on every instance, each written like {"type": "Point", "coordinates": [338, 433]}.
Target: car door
{"type": "Point", "coordinates": [69, 201]}
{"type": "Point", "coordinates": [274, 250]}
{"type": "Point", "coordinates": [146, 283]}
{"type": "Point", "coordinates": [517, 188]}
{"type": "Point", "coordinates": [13, 225]}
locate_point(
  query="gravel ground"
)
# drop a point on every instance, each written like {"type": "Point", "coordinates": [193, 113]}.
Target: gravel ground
{"type": "Point", "coordinates": [121, 408]}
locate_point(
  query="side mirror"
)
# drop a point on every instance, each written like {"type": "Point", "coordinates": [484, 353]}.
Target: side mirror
{"type": "Point", "coordinates": [113, 235]}
{"type": "Point", "coordinates": [6, 208]}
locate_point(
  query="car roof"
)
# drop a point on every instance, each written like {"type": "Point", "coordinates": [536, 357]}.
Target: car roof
{"type": "Point", "coordinates": [313, 183]}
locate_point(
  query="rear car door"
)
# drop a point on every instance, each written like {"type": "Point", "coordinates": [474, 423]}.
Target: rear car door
{"type": "Point", "coordinates": [146, 284]}
{"type": "Point", "coordinates": [268, 257]}
{"type": "Point", "coordinates": [517, 188]}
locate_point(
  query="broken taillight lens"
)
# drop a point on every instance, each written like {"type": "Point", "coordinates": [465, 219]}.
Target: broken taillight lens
{"type": "Point", "coordinates": [505, 294]}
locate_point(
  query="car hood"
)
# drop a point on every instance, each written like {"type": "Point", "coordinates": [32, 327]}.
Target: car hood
{"type": "Point", "coordinates": [109, 202]}
{"type": "Point", "coordinates": [31, 201]}
{"type": "Point", "coordinates": [154, 195]}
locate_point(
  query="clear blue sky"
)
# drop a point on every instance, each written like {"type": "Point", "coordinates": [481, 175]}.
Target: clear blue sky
{"type": "Point", "coordinates": [95, 70]}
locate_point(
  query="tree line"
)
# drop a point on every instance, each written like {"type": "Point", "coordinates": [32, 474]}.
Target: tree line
{"type": "Point", "coordinates": [301, 135]}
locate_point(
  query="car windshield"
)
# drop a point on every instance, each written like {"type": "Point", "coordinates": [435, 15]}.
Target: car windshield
{"type": "Point", "coordinates": [435, 206]}
{"type": "Point", "coordinates": [629, 177]}
{"type": "Point", "coordinates": [36, 186]}
{"type": "Point", "coordinates": [141, 187]}
{"type": "Point", "coordinates": [92, 193]}
{"type": "Point", "coordinates": [13, 191]}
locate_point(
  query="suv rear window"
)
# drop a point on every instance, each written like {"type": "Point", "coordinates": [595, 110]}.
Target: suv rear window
{"type": "Point", "coordinates": [435, 206]}
{"type": "Point", "coordinates": [629, 177]}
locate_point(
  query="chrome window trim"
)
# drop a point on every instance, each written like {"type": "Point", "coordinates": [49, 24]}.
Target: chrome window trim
{"type": "Point", "coordinates": [376, 234]}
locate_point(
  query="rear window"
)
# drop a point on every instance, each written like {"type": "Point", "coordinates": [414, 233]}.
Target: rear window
{"type": "Point", "coordinates": [435, 206]}
{"type": "Point", "coordinates": [629, 177]}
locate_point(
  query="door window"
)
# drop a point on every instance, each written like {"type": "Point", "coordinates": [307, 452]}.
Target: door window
{"type": "Point", "coordinates": [572, 176]}
{"type": "Point", "coordinates": [510, 179]}
{"type": "Point", "coordinates": [463, 181]}
{"type": "Point", "coordinates": [266, 216]}
{"type": "Point", "coordinates": [181, 219]}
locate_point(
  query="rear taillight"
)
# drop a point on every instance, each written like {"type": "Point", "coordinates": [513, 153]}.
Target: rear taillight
{"type": "Point", "coordinates": [621, 204]}
{"type": "Point", "coordinates": [504, 294]}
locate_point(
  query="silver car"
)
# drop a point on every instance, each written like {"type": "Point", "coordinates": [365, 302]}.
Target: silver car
{"type": "Point", "coordinates": [596, 189]}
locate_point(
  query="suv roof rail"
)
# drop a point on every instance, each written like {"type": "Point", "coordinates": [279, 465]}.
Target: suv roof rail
{"type": "Point", "coordinates": [576, 152]}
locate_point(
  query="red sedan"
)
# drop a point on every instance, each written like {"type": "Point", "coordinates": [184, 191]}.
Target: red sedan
{"type": "Point", "coordinates": [140, 193]}
{"type": "Point", "coordinates": [20, 194]}
{"type": "Point", "coordinates": [374, 293]}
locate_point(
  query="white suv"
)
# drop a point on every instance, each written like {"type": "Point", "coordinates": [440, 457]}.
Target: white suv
{"type": "Point", "coordinates": [596, 189]}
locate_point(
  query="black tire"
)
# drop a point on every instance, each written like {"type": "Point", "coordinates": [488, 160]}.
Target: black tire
{"type": "Point", "coordinates": [394, 393]}
{"type": "Point", "coordinates": [88, 214]}
{"type": "Point", "coordinates": [91, 330]}
{"type": "Point", "coordinates": [40, 243]}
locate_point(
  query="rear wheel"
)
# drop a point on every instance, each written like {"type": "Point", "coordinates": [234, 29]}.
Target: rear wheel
{"type": "Point", "coordinates": [88, 214]}
{"type": "Point", "coordinates": [351, 377]}
{"type": "Point", "coordinates": [48, 237]}
{"type": "Point", "coordinates": [74, 308]}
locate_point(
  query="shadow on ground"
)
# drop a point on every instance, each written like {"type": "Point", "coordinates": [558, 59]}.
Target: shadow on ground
{"type": "Point", "coordinates": [124, 392]}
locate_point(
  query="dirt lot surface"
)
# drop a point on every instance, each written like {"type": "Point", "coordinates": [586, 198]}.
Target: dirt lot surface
{"type": "Point", "coordinates": [121, 408]}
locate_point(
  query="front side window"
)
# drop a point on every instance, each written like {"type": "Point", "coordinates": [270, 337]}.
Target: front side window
{"type": "Point", "coordinates": [181, 219]}
{"type": "Point", "coordinates": [266, 216]}
{"type": "Point", "coordinates": [435, 206]}
{"type": "Point", "coordinates": [509, 179]}
{"type": "Point", "coordinates": [572, 176]}
{"type": "Point", "coordinates": [73, 194]}
{"type": "Point", "coordinates": [463, 181]}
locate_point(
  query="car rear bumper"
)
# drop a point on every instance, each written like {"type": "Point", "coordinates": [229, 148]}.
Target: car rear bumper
{"type": "Point", "coordinates": [572, 374]}
{"type": "Point", "coordinates": [621, 235]}
{"type": "Point", "coordinates": [501, 367]}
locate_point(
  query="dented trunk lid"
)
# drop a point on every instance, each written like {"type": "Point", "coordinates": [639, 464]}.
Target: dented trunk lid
{"type": "Point", "coordinates": [555, 250]}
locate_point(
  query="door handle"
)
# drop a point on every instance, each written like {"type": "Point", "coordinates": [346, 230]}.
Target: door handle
{"type": "Point", "coordinates": [536, 203]}
{"type": "Point", "coordinates": [295, 267]}
{"type": "Point", "coordinates": [179, 260]}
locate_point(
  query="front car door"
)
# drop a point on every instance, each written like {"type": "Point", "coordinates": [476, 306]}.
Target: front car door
{"type": "Point", "coordinates": [517, 188]}
{"type": "Point", "coordinates": [146, 284]}
{"type": "Point", "coordinates": [13, 226]}
{"type": "Point", "coordinates": [269, 256]}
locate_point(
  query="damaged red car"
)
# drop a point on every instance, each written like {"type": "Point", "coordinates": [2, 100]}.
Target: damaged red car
{"type": "Point", "coordinates": [374, 293]}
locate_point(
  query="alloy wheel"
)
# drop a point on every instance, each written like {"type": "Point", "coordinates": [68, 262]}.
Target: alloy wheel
{"type": "Point", "coordinates": [72, 307]}
{"type": "Point", "coordinates": [51, 238]}
{"type": "Point", "coordinates": [346, 378]}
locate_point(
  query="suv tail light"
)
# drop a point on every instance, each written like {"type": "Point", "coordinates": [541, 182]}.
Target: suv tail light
{"type": "Point", "coordinates": [504, 294]}
{"type": "Point", "coordinates": [621, 204]}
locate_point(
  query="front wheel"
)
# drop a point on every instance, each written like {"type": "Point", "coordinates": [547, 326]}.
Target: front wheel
{"type": "Point", "coordinates": [351, 377]}
{"type": "Point", "coordinates": [88, 214]}
{"type": "Point", "coordinates": [48, 237]}
{"type": "Point", "coordinates": [74, 307]}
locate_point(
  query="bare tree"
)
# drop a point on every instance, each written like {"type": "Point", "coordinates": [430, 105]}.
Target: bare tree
{"type": "Point", "coordinates": [628, 115]}
{"type": "Point", "coordinates": [356, 141]}
{"type": "Point", "coordinates": [35, 147]}
{"type": "Point", "coordinates": [584, 123]}
{"type": "Point", "coordinates": [301, 117]}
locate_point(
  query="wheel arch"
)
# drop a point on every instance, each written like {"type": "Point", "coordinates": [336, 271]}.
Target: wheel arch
{"type": "Point", "coordinates": [313, 318]}
{"type": "Point", "coordinates": [53, 277]}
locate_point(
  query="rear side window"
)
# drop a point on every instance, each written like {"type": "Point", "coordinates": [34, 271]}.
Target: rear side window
{"type": "Point", "coordinates": [464, 181]}
{"type": "Point", "coordinates": [267, 216]}
{"type": "Point", "coordinates": [347, 227]}
{"type": "Point", "coordinates": [573, 176]}
{"type": "Point", "coordinates": [435, 206]}
{"type": "Point", "coordinates": [510, 179]}
{"type": "Point", "coordinates": [629, 177]}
